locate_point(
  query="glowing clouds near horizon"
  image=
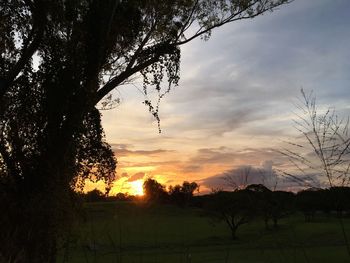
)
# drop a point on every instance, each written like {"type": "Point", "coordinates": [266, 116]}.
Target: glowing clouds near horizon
{"type": "Point", "coordinates": [119, 186]}
{"type": "Point", "coordinates": [122, 185]}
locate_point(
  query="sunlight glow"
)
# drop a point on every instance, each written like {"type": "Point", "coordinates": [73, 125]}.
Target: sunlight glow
{"type": "Point", "coordinates": [136, 187]}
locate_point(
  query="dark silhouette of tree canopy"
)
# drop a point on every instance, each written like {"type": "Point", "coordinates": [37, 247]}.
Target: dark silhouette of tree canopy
{"type": "Point", "coordinates": [154, 191]}
{"type": "Point", "coordinates": [333, 200]}
{"type": "Point", "coordinates": [59, 59]}
{"type": "Point", "coordinates": [94, 196]}
{"type": "Point", "coordinates": [234, 208]}
{"type": "Point", "coordinates": [309, 201]}
{"type": "Point", "coordinates": [281, 205]}
{"type": "Point", "coordinates": [182, 194]}
{"type": "Point", "coordinates": [340, 199]}
{"type": "Point", "coordinates": [272, 205]}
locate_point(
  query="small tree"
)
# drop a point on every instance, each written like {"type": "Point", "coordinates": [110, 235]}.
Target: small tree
{"type": "Point", "coordinates": [182, 195]}
{"type": "Point", "coordinates": [94, 196]}
{"type": "Point", "coordinates": [282, 205]}
{"type": "Point", "coordinates": [234, 208]}
{"type": "Point", "coordinates": [309, 201]}
{"type": "Point", "coordinates": [263, 197]}
{"type": "Point", "coordinates": [271, 205]}
{"type": "Point", "coordinates": [340, 199]}
{"type": "Point", "coordinates": [154, 191]}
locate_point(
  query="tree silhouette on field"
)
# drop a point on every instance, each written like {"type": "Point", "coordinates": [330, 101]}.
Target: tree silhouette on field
{"type": "Point", "coordinates": [271, 205]}
{"type": "Point", "coordinates": [234, 208]}
{"type": "Point", "coordinates": [94, 196]}
{"type": "Point", "coordinates": [59, 62]}
{"type": "Point", "coordinates": [182, 194]}
{"type": "Point", "coordinates": [154, 191]}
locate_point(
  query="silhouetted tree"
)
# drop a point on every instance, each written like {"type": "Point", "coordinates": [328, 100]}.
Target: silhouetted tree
{"type": "Point", "coordinates": [182, 195]}
{"type": "Point", "coordinates": [37, 195]}
{"type": "Point", "coordinates": [59, 59]}
{"type": "Point", "coordinates": [331, 200]}
{"type": "Point", "coordinates": [309, 202]}
{"type": "Point", "coordinates": [234, 208]}
{"type": "Point", "coordinates": [281, 205]}
{"type": "Point", "coordinates": [326, 202]}
{"type": "Point", "coordinates": [94, 196]}
{"type": "Point", "coordinates": [154, 191]}
{"type": "Point", "coordinates": [263, 197]}
{"type": "Point", "coordinates": [340, 199]}
{"type": "Point", "coordinates": [271, 205]}
{"type": "Point", "coordinates": [121, 197]}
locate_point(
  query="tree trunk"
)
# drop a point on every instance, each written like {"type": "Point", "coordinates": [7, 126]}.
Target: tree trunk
{"type": "Point", "coordinates": [266, 220]}
{"type": "Point", "coordinates": [39, 210]}
{"type": "Point", "coordinates": [29, 233]}
{"type": "Point", "coordinates": [34, 227]}
{"type": "Point", "coordinates": [33, 242]}
{"type": "Point", "coordinates": [275, 222]}
{"type": "Point", "coordinates": [234, 232]}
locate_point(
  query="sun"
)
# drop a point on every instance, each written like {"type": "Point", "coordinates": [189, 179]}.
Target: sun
{"type": "Point", "coordinates": [136, 187]}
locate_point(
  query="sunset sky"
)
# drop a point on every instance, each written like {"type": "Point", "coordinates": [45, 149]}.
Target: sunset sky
{"type": "Point", "coordinates": [235, 100]}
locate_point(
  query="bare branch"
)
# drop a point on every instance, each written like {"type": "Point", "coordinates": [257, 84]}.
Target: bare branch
{"type": "Point", "coordinates": [328, 139]}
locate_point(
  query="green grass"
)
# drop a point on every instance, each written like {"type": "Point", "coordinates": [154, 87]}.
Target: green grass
{"type": "Point", "coordinates": [129, 232]}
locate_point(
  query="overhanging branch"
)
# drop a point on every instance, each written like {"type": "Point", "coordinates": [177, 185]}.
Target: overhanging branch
{"type": "Point", "coordinates": [117, 80]}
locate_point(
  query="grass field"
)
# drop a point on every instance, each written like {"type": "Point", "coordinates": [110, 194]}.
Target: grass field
{"type": "Point", "coordinates": [131, 232]}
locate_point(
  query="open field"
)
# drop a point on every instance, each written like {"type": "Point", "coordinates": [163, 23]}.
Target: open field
{"type": "Point", "coordinates": [129, 232]}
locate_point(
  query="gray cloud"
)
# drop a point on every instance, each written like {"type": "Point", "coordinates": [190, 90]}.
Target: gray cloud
{"type": "Point", "coordinates": [213, 156]}
{"type": "Point", "coordinates": [225, 155]}
{"type": "Point", "coordinates": [120, 146]}
{"type": "Point", "coordinates": [244, 175]}
{"type": "Point", "coordinates": [123, 150]}
{"type": "Point", "coordinates": [136, 176]}
{"type": "Point", "coordinates": [254, 69]}
{"type": "Point", "coordinates": [191, 168]}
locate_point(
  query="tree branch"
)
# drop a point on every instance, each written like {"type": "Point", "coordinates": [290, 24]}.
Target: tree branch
{"type": "Point", "coordinates": [114, 82]}
{"type": "Point", "coordinates": [28, 50]}
{"type": "Point", "coordinates": [232, 18]}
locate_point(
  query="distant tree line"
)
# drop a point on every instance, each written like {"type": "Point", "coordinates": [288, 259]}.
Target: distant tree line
{"type": "Point", "coordinates": [154, 192]}
{"type": "Point", "coordinates": [239, 207]}
{"type": "Point", "coordinates": [330, 201]}
{"type": "Point", "coordinates": [96, 195]}
{"type": "Point", "coordinates": [181, 195]}
{"type": "Point", "coordinates": [256, 201]}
